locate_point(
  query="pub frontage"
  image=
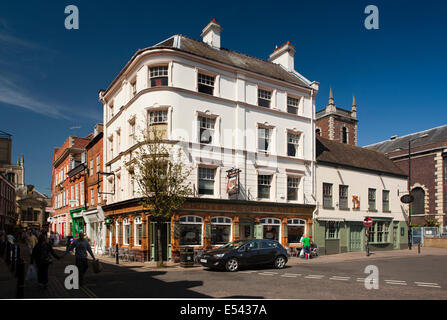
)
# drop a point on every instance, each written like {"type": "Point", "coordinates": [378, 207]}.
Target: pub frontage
{"type": "Point", "coordinates": [204, 224]}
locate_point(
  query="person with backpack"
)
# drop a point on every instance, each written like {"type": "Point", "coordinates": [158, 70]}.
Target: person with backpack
{"type": "Point", "coordinates": [82, 247]}
{"type": "Point", "coordinates": [41, 255]}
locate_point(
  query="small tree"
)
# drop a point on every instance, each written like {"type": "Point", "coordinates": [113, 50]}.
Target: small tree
{"type": "Point", "coordinates": [162, 179]}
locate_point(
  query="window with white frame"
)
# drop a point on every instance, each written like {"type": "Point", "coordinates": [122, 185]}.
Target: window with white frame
{"type": "Point", "coordinates": [81, 191]}
{"type": "Point", "coordinates": [158, 121]}
{"type": "Point", "coordinates": [264, 98]}
{"type": "Point", "coordinates": [117, 232]}
{"type": "Point", "coordinates": [206, 181]}
{"type": "Point", "coordinates": [332, 230]}
{"type": "Point", "coordinates": [72, 195]}
{"type": "Point", "coordinates": [264, 182]}
{"type": "Point", "coordinates": [118, 142]}
{"type": "Point", "coordinates": [343, 197]}
{"type": "Point", "coordinates": [372, 199]}
{"type": "Point", "coordinates": [264, 138]}
{"type": "Point", "coordinates": [92, 196]}
{"type": "Point", "coordinates": [385, 200]}
{"type": "Point", "coordinates": [206, 129]}
{"type": "Point", "coordinates": [91, 168]}
{"type": "Point", "coordinates": [126, 231]}
{"type": "Point", "coordinates": [190, 230]}
{"type": "Point", "coordinates": [379, 232]}
{"type": "Point", "coordinates": [327, 195]}
{"type": "Point", "coordinates": [138, 223]}
{"type": "Point", "coordinates": [77, 194]}
{"type": "Point", "coordinates": [220, 230]}
{"type": "Point", "coordinates": [296, 228]}
{"type": "Point", "coordinates": [99, 194]}
{"type": "Point", "coordinates": [292, 144]}
{"type": "Point", "coordinates": [292, 188]}
{"type": "Point", "coordinates": [98, 163]}
{"type": "Point", "coordinates": [271, 228]}
{"type": "Point", "coordinates": [292, 105]}
{"type": "Point", "coordinates": [205, 83]}
{"type": "Point", "coordinates": [132, 133]}
{"type": "Point", "coordinates": [158, 76]}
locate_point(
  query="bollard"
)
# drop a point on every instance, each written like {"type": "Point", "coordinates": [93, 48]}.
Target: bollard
{"type": "Point", "coordinates": [20, 278]}
{"type": "Point", "coordinates": [117, 254]}
{"type": "Point", "coordinates": [419, 246]}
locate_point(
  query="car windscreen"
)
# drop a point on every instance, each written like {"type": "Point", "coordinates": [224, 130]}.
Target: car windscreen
{"type": "Point", "coordinates": [234, 244]}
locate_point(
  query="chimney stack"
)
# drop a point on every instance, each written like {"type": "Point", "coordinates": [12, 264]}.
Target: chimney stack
{"type": "Point", "coordinates": [211, 34]}
{"type": "Point", "coordinates": [354, 108]}
{"type": "Point", "coordinates": [285, 56]}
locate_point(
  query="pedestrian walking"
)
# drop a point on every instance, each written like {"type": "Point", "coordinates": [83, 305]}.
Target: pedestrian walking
{"type": "Point", "coordinates": [82, 246]}
{"type": "Point", "coordinates": [31, 241]}
{"type": "Point", "coordinates": [41, 255]}
{"type": "Point", "coordinates": [306, 247]}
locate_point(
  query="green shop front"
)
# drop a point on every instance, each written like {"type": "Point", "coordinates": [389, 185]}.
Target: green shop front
{"type": "Point", "coordinates": [78, 222]}
{"type": "Point", "coordinates": [337, 235]}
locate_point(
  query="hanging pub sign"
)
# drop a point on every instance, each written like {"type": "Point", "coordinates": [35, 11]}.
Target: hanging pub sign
{"type": "Point", "coordinates": [408, 198]}
{"type": "Point", "coordinates": [233, 181]}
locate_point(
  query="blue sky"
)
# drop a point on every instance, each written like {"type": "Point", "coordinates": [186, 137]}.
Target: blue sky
{"type": "Point", "coordinates": [50, 76]}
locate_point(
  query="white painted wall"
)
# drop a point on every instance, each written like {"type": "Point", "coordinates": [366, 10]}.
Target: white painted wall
{"type": "Point", "coordinates": [359, 182]}
{"type": "Point", "coordinates": [234, 102]}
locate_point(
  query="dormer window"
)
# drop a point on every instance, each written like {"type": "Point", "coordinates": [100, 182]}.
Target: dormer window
{"type": "Point", "coordinates": [264, 98]}
{"type": "Point", "coordinates": [159, 76]}
{"type": "Point", "coordinates": [205, 84]}
{"type": "Point", "coordinates": [292, 105]}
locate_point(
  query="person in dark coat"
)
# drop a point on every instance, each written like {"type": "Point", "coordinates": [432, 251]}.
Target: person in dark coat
{"type": "Point", "coordinates": [41, 255]}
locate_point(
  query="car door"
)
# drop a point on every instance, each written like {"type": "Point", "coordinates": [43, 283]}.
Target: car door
{"type": "Point", "coordinates": [249, 253]}
{"type": "Point", "coordinates": [267, 253]}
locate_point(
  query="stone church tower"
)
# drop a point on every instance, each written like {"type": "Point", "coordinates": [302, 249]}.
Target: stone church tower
{"type": "Point", "coordinates": [337, 124]}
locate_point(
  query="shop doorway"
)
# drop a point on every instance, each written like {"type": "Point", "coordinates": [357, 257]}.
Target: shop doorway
{"type": "Point", "coordinates": [165, 240]}
{"type": "Point", "coordinates": [356, 237]}
{"type": "Point", "coordinates": [246, 228]}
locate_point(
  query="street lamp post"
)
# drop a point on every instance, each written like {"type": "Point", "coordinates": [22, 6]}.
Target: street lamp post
{"type": "Point", "coordinates": [409, 188]}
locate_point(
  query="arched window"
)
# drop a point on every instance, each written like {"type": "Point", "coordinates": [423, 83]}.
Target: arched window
{"type": "Point", "coordinates": [191, 230]}
{"type": "Point", "coordinates": [344, 134]}
{"type": "Point", "coordinates": [296, 228]}
{"type": "Point", "coordinates": [418, 205]}
{"type": "Point", "coordinates": [271, 228]}
{"type": "Point", "coordinates": [220, 230]}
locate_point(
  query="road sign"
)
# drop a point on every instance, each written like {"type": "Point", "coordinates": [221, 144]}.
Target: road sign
{"type": "Point", "coordinates": [407, 198]}
{"type": "Point", "coordinates": [368, 222]}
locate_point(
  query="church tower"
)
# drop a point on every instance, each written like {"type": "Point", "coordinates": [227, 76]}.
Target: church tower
{"type": "Point", "coordinates": [335, 123]}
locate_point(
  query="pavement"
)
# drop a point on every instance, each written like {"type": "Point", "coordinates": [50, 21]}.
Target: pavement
{"type": "Point", "coordinates": [144, 279]}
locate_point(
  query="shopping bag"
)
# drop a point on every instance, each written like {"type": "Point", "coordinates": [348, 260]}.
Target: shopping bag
{"type": "Point", "coordinates": [302, 253]}
{"type": "Point", "coordinates": [97, 266]}
{"type": "Point", "coordinates": [31, 274]}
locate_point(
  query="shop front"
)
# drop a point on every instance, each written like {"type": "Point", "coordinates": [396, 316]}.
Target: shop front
{"type": "Point", "coordinates": [95, 229]}
{"type": "Point", "coordinates": [78, 222]}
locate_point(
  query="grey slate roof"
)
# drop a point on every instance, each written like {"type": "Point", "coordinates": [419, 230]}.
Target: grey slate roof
{"type": "Point", "coordinates": [234, 59]}
{"type": "Point", "coordinates": [355, 157]}
{"type": "Point", "coordinates": [225, 56]}
{"type": "Point", "coordinates": [435, 135]}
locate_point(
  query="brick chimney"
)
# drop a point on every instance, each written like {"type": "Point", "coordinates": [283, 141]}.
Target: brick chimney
{"type": "Point", "coordinates": [285, 56]}
{"type": "Point", "coordinates": [211, 34]}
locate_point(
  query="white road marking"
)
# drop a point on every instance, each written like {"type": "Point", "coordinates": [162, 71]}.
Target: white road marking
{"type": "Point", "coordinates": [288, 276]}
{"type": "Point", "coordinates": [247, 271]}
{"type": "Point", "coordinates": [293, 274]}
{"type": "Point", "coordinates": [428, 285]}
{"type": "Point", "coordinates": [339, 278]}
{"type": "Point", "coordinates": [266, 274]}
{"type": "Point", "coordinates": [398, 282]}
{"type": "Point", "coordinates": [314, 276]}
{"type": "Point", "coordinates": [395, 280]}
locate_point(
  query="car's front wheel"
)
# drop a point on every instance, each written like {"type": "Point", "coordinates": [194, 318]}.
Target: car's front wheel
{"type": "Point", "coordinates": [232, 265]}
{"type": "Point", "coordinates": [280, 262]}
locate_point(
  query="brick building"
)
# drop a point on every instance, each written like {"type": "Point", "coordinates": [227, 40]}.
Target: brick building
{"type": "Point", "coordinates": [335, 123]}
{"type": "Point", "coordinates": [7, 204]}
{"type": "Point", "coordinates": [428, 171]}
{"type": "Point", "coordinates": [93, 215]}
{"type": "Point", "coordinates": [68, 193]}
